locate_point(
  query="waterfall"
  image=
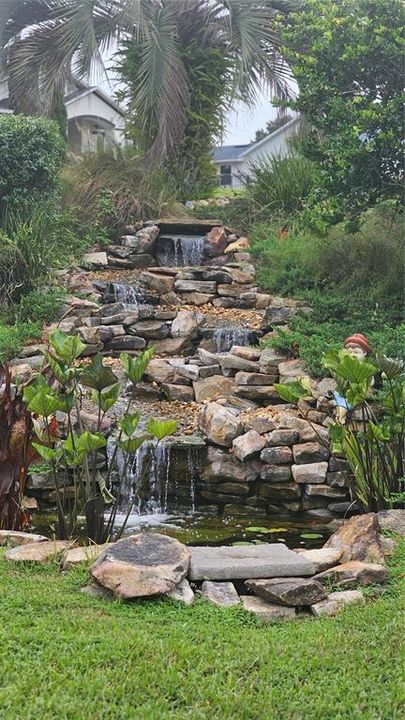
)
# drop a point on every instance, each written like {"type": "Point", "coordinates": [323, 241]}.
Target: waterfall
{"type": "Point", "coordinates": [127, 295]}
{"type": "Point", "coordinates": [225, 337]}
{"type": "Point", "coordinates": [150, 479]}
{"type": "Point", "coordinates": [180, 251]}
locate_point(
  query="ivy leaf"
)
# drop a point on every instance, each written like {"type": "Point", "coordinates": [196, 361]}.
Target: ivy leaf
{"type": "Point", "coordinates": [97, 375]}
{"type": "Point", "coordinates": [45, 403]}
{"type": "Point", "coordinates": [129, 424]}
{"type": "Point", "coordinates": [135, 368]}
{"type": "Point", "coordinates": [161, 428]}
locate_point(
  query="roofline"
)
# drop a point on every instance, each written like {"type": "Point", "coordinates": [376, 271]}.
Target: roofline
{"type": "Point", "coordinates": [102, 95]}
{"type": "Point", "coordinates": [253, 146]}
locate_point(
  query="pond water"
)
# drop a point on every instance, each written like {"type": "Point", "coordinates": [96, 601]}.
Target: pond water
{"type": "Point", "coordinates": [205, 529]}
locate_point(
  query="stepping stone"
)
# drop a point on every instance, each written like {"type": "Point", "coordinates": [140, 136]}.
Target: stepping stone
{"type": "Point", "coordinates": [222, 594]}
{"type": "Point", "coordinates": [37, 552]}
{"type": "Point", "coordinates": [265, 611]}
{"type": "Point", "coordinates": [354, 573]}
{"type": "Point", "coordinates": [143, 565]}
{"type": "Point", "coordinates": [80, 555]}
{"type": "Point", "coordinates": [336, 601]}
{"type": "Point", "coordinates": [182, 592]}
{"type": "Point", "coordinates": [323, 558]}
{"type": "Point", "coordinates": [245, 562]}
{"type": "Point", "coordinates": [15, 538]}
{"type": "Point", "coordinates": [294, 592]}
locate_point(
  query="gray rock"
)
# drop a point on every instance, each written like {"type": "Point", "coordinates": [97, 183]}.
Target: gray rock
{"type": "Point", "coordinates": [281, 437]}
{"type": "Point", "coordinates": [324, 491]}
{"type": "Point", "coordinates": [260, 423]}
{"type": "Point", "coordinates": [310, 452]}
{"type": "Point", "coordinates": [248, 444]}
{"type": "Point", "coordinates": [181, 393]}
{"type": "Point", "coordinates": [127, 342]}
{"type": "Point", "coordinates": [171, 346]}
{"type": "Point", "coordinates": [219, 425]}
{"type": "Point", "coordinates": [269, 361]}
{"type": "Point", "coordinates": [294, 592]}
{"type": "Point", "coordinates": [336, 601]}
{"type": "Point", "coordinates": [142, 565]}
{"type": "Point", "coordinates": [234, 362]}
{"type": "Point", "coordinates": [187, 323]}
{"type": "Point", "coordinates": [312, 473]}
{"type": "Point", "coordinates": [158, 282]}
{"type": "Point", "coordinates": [323, 558]}
{"type": "Point", "coordinates": [95, 259]}
{"type": "Point", "coordinates": [207, 371]}
{"type": "Point", "coordinates": [222, 594]}
{"type": "Point", "coordinates": [280, 491]}
{"type": "Point", "coordinates": [276, 455]}
{"type": "Point", "coordinates": [182, 592]}
{"type": "Point", "coordinates": [199, 286]}
{"type": "Point", "coordinates": [96, 591]}
{"type": "Point", "coordinates": [250, 561]}
{"type": "Point", "coordinates": [291, 370]}
{"type": "Point", "coordinates": [276, 473]}
{"type": "Point", "coordinates": [393, 521]}
{"type": "Point", "coordinates": [278, 315]}
{"type": "Point", "coordinates": [249, 378]}
{"type": "Point", "coordinates": [265, 611]}
{"type": "Point", "coordinates": [221, 465]}
{"type": "Point", "coordinates": [150, 329]}
{"type": "Point", "coordinates": [266, 394]}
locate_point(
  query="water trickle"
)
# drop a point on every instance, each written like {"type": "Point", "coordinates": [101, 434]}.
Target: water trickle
{"type": "Point", "coordinates": [180, 250]}
{"type": "Point", "coordinates": [127, 295]}
{"type": "Point", "coordinates": [225, 337]}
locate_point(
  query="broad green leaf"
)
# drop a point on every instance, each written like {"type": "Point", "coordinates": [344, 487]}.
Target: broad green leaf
{"type": "Point", "coordinates": [107, 397]}
{"type": "Point", "coordinates": [377, 432]}
{"type": "Point", "coordinates": [135, 368]}
{"type": "Point", "coordinates": [129, 424]}
{"type": "Point", "coordinates": [291, 392]}
{"type": "Point", "coordinates": [45, 403]}
{"type": "Point", "coordinates": [131, 445]}
{"type": "Point", "coordinates": [66, 347]}
{"type": "Point", "coordinates": [30, 391]}
{"type": "Point", "coordinates": [355, 371]}
{"type": "Point", "coordinates": [49, 454]}
{"type": "Point", "coordinates": [88, 441]}
{"type": "Point", "coordinates": [71, 444]}
{"type": "Point", "coordinates": [97, 375]}
{"type": "Point", "coordinates": [58, 368]}
{"type": "Point", "coordinates": [392, 368]}
{"type": "Point", "coordinates": [161, 428]}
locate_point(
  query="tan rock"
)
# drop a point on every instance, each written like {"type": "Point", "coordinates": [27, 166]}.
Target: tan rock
{"type": "Point", "coordinates": [38, 552]}
{"type": "Point", "coordinates": [358, 539]}
{"type": "Point", "coordinates": [237, 246]}
{"type": "Point", "coordinates": [266, 612]}
{"type": "Point", "coordinates": [142, 565]}
{"type": "Point", "coordinates": [293, 592]}
{"type": "Point", "coordinates": [222, 594]}
{"type": "Point", "coordinates": [212, 388]}
{"type": "Point", "coordinates": [336, 602]}
{"type": "Point", "coordinates": [323, 558]}
{"type": "Point", "coordinates": [354, 573]}
{"type": "Point", "coordinates": [248, 444]}
{"type": "Point", "coordinates": [14, 538]}
{"type": "Point", "coordinates": [81, 555]}
{"type": "Point", "coordinates": [219, 425]}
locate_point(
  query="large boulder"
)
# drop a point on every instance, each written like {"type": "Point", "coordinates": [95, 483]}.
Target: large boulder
{"type": "Point", "coordinates": [358, 539]}
{"type": "Point", "coordinates": [219, 425]}
{"type": "Point", "coordinates": [293, 592]}
{"type": "Point", "coordinates": [143, 565]}
{"type": "Point", "coordinates": [216, 242]}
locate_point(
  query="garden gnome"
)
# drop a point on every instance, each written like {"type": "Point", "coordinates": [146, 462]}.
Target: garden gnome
{"type": "Point", "coordinates": [358, 347]}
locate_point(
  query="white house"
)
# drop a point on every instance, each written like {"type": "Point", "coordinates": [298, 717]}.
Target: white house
{"type": "Point", "coordinates": [94, 120]}
{"type": "Point", "coordinates": [233, 162]}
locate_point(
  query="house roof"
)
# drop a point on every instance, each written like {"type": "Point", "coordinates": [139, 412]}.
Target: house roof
{"type": "Point", "coordinates": [86, 90]}
{"type": "Point", "coordinates": [229, 152]}
{"type": "Point", "coordinates": [234, 153]}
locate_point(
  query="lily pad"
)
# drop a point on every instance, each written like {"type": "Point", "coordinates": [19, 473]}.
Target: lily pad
{"type": "Point", "coordinates": [311, 536]}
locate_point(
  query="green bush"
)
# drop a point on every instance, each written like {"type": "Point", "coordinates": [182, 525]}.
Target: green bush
{"type": "Point", "coordinates": [14, 337]}
{"type": "Point", "coordinates": [22, 321]}
{"type": "Point", "coordinates": [280, 184]}
{"type": "Point", "coordinates": [31, 155]}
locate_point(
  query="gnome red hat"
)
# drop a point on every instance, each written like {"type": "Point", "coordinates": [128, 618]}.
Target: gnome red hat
{"type": "Point", "coordinates": [358, 339]}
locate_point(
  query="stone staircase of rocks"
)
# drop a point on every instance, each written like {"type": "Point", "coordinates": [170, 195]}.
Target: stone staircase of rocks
{"type": "Point", "coordinates": [205, 321]}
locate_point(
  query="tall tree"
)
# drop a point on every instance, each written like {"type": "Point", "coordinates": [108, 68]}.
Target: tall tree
{"type": "Point", "coordinates": [42, 41]}
{"type": "Point", "coordinates": [348, 60]}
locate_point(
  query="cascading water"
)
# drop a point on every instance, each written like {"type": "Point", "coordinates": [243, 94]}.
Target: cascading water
{"type": "Point", "coordinates": [180, 250]}
{"type": "Point", "coordinates": [125, 294]}
{"type": "Point", "coordinates": [145, 481]}
{"type": "Point", "coordinates": [225, 337]}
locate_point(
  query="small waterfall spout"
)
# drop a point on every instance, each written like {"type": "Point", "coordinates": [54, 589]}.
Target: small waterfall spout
{"type": "Point", "coordinates": [127, 295]}
{"type": "Point", "coordinates": [180, 250]}
{"type": "Point", "coordinates": [225, 337]}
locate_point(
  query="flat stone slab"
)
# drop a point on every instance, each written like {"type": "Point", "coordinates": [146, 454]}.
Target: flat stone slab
{"type": "Point", "coordinates": [142, 565]}
{"type": "Point", "coordinates": [265, 611]}
{"type": "Point", "coordinates": [222, 594]}
{"type": "Point", "coordinates": [354, 573]}
{"type": "Point", "coordinates": [15, 538]}
{"type": "Point", "coordinates": [37, 552]}
{"type": "Point", "coordinates": [246, 562]}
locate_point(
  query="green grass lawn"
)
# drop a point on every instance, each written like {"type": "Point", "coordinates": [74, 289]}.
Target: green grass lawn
{"type": "Point", "coordinates": [65, 656]}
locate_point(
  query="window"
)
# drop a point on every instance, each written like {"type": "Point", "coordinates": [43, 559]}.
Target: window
{"type": "Point", "coordinates": [225, 175]}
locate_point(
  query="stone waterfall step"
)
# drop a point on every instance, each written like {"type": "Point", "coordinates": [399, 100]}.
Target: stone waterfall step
{"type": "Point", "coordinates": [244, 562]}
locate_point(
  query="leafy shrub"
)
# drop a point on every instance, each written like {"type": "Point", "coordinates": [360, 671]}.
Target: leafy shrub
{"type": "Point", "coordinates": [14, 337]}
{"type": "Point", "coordinates": [31, 245]}
{"type": "Point", "coordinates": [110, 191]}
{"type": "Point", "coordinates": [280, 184]}
{"type": "Point", "coordinates": [31, 155]}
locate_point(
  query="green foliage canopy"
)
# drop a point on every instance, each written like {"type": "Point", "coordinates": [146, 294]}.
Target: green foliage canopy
{"type": "Point", "coordinates": [348, 60]}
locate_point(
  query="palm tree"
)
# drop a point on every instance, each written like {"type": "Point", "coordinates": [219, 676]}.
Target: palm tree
{"type": "Point", "coordinates": [43, 41]}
